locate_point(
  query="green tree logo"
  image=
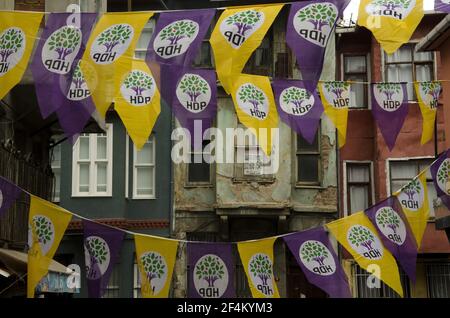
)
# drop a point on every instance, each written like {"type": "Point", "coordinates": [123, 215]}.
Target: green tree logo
{"type": "Point", "coordinates": [249, 93]}
{"type": "Point", "coordinates": [312, 251]}
{"type": "Point", "coordinates": [337, 88]}
{"type": "Point", "coordinates": [244, 20]}
{"type": "Point", "coordinates": [389, 89]}
{"type": "Point", "coordinates": [78, 78]}
{"type": "Point", "coordinates": [194, 86]}
{"type": "Point", "coordinates": [97, 256]}
{"type": "Point", "coordinates": [392, 4]}
{"type": "Point", "coordinates": [412, 188]}
{"type": "Point", "coordinates": [11, 41]}
{"type": "Point", "coordinates": [178, 30]}
{"type": "Point", "coordinates": [443, 175]}
{"type": "Point", "coordinates": [361, 236]}
{"type": "Point", "coordinates": [261, 266]}
{"type": "Point", "coordinates": [431, 88]}
{"type": "Point", "coordinates": [319, 15]}
{"type": "Point", "coordinates": [64, 41]}
{"type": "Point", "coordinates": [138, 81]}
{"type": "Point", "coordinates": [210, 269]}
{"type": "Point", "coordinates": [43, 228]}
{"type": "Point", "coordinates": [388, 218]}
{"type": "Point", "coordinates": [115, 35]}
{"type": "Point", "coordinates": [295, 96]}
{"type": "Point", "coordinates": [155, 267]}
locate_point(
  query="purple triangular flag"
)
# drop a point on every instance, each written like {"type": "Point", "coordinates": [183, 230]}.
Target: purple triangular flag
{"type": "Point", "coordinates": [60, 47]}
{"type": "Point", "coordinates": [310, 26]}
{"type": "Point", "coordinates": [192, 98]}
{"type": "Point", "coordinates": [211, 270]}
{"type": "Point", "coordinates": [442, 5]}
{"type": "Point", "coordinates": [178, 36]}
{"type": "Point", "coordinates": [315, 256]}
{"type": "Point", "coordinates": [299, 106]}
{"type": "Point", "coordinates": [102, 246]}
{"type": "Point", "coordinates": [389, 108]}
{"type": "Point", "coordinates": [440, 171]}
{"type": "Point", "coordinates": [395, 232]}
{"type": "Point", "coordinates": [9, 193]}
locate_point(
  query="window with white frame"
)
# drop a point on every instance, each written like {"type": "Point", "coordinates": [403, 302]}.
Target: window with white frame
{"type": "Point", "coordinates": [92, 164]}
{"type": "Point", "coordinates": [56, 169]}
{"type": "Point", "coordinates": [144, 40]}
{"type": "Point", "coordinates": [359, 186]}
{"type": "Point", "coordinates": [403, 171]}
{"type": "Point", "coordinates": [355, 69]}
{"type": "Point", "coordinates": [144, 170]}
{"type": "Point", "coordinates": [406, 65]}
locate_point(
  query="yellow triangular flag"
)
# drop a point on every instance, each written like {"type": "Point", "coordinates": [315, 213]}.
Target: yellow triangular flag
{"type": "Point", "coordinates": [109, 54]}
{"type": "Point", "coordinates": [238, 32]}
{"type": "Point", "coordinates": [392, 22]}
{"type": "Point", "coordinates": [335, 98]}
{"type": "Point", "coordinates": [255, 106]}
{"type": "Point", "coordinates": [17, 35]}
{"type": "Point", "coordinates": [138, 102]}
{"type": "Point", "coordinates": [156, 259]}
{"type": "Point", "coordinates": [428, 98]}
{"type": "Point", "coordinates": [47, 223]}
{"type": "Point", "coordinates": [257, 259]}
{"type": "Point", "coordinates": [359, 237]}
{"type": "Point", "coordinates": [415, 205]}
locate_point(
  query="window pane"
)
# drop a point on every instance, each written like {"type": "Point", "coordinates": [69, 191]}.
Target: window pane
{"type": "Point", "coordinates": [57, 183]}
{"type": "Point", "coordinates": [84, 177]}
{"type": "Point", "coordinates": [304, 146]}
{"type": "Point", "coordinates": [355, 64]}
{"type": "Point", "coordinates": [101, 176]}
{"type": "Point", "coordinates": [423, 56]}
{"type": "Point", "coordinates": [438, 280]}
{"type": "Point", "coordinates": [56, 158]}
{"type": "Point", "coordinates": [84, 148]}
{"type": "Point", "coordinates": [397, 185]}
{"type": "Point", "coordinates": [144, 180]}
{"type": "Point", "coordinates": [145, 155]}
{"type": "Point", "coordinates": [308, 168]}
{"type": "Point", "coordinates": [359, 198]}
{"type": "Point", "coordinates": [199, 172]}
{"type": "Point", "coordinates": [403, 54]}
{"type": "Point", "coordinates": [101, 147]}
{"type": "Point", "coordinates": [358, 173]}
{"type": "Point", "coordinates": [424, 72]}
{"type": "Point", "coordinates": [404, 170]}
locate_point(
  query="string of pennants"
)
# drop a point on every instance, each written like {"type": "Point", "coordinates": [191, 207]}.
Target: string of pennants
{"type": "Point", "coordinates": [389, 231]}
{"type": "Point", "coordinates": [83, 67]}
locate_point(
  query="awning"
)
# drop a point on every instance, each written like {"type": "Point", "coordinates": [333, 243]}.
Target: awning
{"type": "Point", "coordinates": [16, 262]}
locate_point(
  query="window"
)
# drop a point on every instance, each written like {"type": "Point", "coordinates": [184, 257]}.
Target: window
{"type": "Point", "coordinates": [198, 170]}
{"type": "Point", "coordinates": [112, 289]}
{"type": "Point", "coordinates": [260, 62]}
{"type": "Point", "coordinates": [92, 164]}
{"type": "Point", "coordinates": [144, 40]}
{"type": "Point", "coordinates": [359, 187]}
{"type": "Point", "coordinates": [204, 58]}
{"type": "Point", "coordinates": [355, 69]}
{"type": "Point", "coordinates": [363, 291]}
{"type": "Point", "coordinates": [308, 160]}
{"type": "Point", "coordinates": [251, 163]}
{"type": "Point", "coordinates": [144, 171]}
{"type": "Point", "coordinates": [402, 172]}
{"type": "Point", "coordinates": [56, 169]}
{"type": "Point", "coordinates": [438, 280]}
{"type": "Point", "coordinates": [406, 65]}
{"type": "Point", "coordinates": [133, 5]}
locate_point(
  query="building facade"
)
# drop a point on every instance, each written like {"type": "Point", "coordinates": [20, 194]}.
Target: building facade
{"type": "Point", "coordinates": [368, 171]}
